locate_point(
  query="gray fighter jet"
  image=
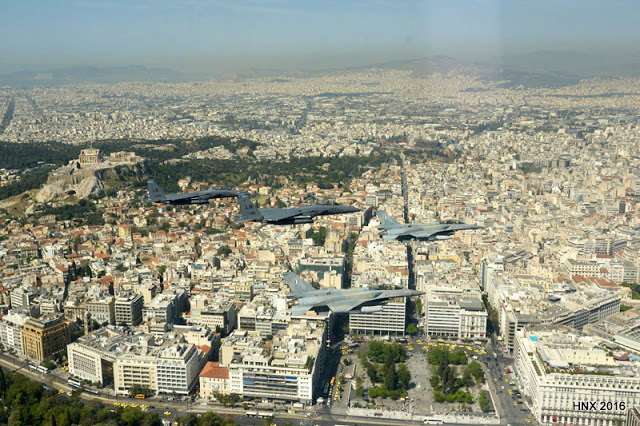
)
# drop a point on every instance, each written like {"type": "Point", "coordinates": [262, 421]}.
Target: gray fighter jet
{"type": "Point", "coordinates": [352, 300]}
{"type": "Point", "coordinates": [292, 216]}
{"type": "Point", "coordinates": [392, 230]}
{"type": "Point", "coordinates": [157, 195]}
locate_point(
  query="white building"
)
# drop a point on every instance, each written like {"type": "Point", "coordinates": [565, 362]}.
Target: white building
{"type": "Point", "coordinates": [127, 358]}
{"type": "Point", "coordinates": [455, 317]}
{"type": "Point", "coordinates": [562, 372]}
{"type": "Point", "coordinates": [11, 331]}
{"type": "Point", "coordinates": [214, 379]}
{"type": "Point", "coordinates": [392, 319]}
{"type": "Point", "coordinates": [286, 367]}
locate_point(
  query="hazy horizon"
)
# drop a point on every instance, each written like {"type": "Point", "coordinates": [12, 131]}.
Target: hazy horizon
{"type": "Point", "coordinates": [217, 37]}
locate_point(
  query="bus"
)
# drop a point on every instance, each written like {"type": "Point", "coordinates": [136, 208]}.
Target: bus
{"type": "Point", "coordinates": [265, 414]}
{"type": "Point", "coordinates": [141, 396]}
{"type": "Point", "coordinates": [74, 383]}
{"type": "Point", "coordinates": [251, 413]}
{"type": "Point", "coordinates": [90, 391]}
{"type": "Point", "coordinates": [42, 369]}
{"type": "Point", "coordinates": [433, 421]}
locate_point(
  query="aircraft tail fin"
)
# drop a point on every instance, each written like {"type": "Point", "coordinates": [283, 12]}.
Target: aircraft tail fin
{"type": "Point", "coordinates": [387, 221]}
{"type": "Point", "coordinates": [298, 286]}
{"type": "Point", "coordinates": [248, 211]}
{"type": "Point", "coordinates": [156, 194]}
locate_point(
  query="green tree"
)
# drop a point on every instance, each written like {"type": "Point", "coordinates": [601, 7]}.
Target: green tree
{"type": "Point", "coordinates": [398, 351]}
{"type": "Point", "coordinates": [457, 358]}
{"type": "Point", "coordinates": [435, 381]}
{"type": "Point", "coordinates": [418, 306]}
{"type": "Point", "coordinates": [467, 378]}
{"type": "Point", "coordinates": [319, 237]}
{"type": "Point", "coordinates": [483, 401]}
{"type": "Point", "coordinates": [390, 377]}
{"type": "Point", "coordinates": [438, 355]}
{"type": "Point", "coordinates": [223, 250]}
{"type": "Point", "coordinates": [359, 387]}
{"type": "Point", "coordinates": [3, 383]}
{"type": "Point", "coordinates": [376, 351]}
{"type": "Point", "coordinates": [411, 329]}
{"type": "Point", "coordinates": [404, 376]}
{"type": "Point", "coordinates": [475, 369]}
{"type": "Point", "coordinates": [372, 373]}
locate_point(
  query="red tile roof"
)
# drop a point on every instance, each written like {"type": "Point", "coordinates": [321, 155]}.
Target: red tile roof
{"type": "Point", "coordinates": [213, 370]}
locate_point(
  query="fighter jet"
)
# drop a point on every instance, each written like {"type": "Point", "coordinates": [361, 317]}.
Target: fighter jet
{"type": "Point", "coordinates": [392, 230]}
{"type": "Point", "coordinates": [292, 216]}
{"type": "Point", "coordinates": [352, 301]}
{"type": "Point", "coordinates": [157, 195]}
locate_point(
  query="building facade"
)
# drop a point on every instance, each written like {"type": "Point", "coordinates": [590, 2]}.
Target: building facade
{"type": "Point", "coordinates": [42, 338]}
{"type": "Point", "coordinates": [391, 320]}
{"type": "Point", "coordinates": [128, 309]}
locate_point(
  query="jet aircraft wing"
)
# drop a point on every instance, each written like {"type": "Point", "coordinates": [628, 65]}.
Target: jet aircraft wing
{"type": "Point", "coordinates": [335, 307]}
{"type": "Point", "coordinates": [279, 214]}
{"type": "Point", "coordinates": [344, 305]}
{"type": "Point", "coordinates": [196, 196]}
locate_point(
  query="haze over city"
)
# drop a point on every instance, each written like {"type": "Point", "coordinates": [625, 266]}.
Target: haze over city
{"type": "Point", "coordinates": [216, 37]}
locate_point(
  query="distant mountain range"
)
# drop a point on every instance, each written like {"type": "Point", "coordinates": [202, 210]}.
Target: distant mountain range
{"type": "Point", "coordinates": [535, 69]}
{"type": "Point", "coordinates": [86, 74]}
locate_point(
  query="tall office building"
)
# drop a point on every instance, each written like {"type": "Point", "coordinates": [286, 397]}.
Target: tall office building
{"type": "Point", "coordinates": [392, 319]}
{"type": "Point", "coordinates": [44, 337]}
{"type": "Point", "coordinates": [128, 309]}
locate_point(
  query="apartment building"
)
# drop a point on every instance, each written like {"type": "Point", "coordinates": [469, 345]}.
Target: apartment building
{"type": "Point", "coordinates": [44, 337]}
{"type": "Point", "coordinates": [11, 330]}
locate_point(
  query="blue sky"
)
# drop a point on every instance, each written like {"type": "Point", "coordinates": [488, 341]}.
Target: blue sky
{"type": "Point", "coordinates": [241, 34]}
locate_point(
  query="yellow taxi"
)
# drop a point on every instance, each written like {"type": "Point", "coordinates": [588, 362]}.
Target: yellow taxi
{"type": "Point", "coordinates": [515, 403]}
{"type": "Point", "coordinates": [528, 420]}
{"type": "Point", "coordinates": [495, 379]}
{"type": "Point", "coordinates": [469, 348]}
{"type": "Point", "coordinates": [510, 392]}
{"type": "Point", "coordinates": [134, 405]}
{"type": "Point", "coordinates": [167, 413]}
{"type": "Point", "coordinates": [419, 342]}
{"type": "Point", "coordinates": [60, 391]}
